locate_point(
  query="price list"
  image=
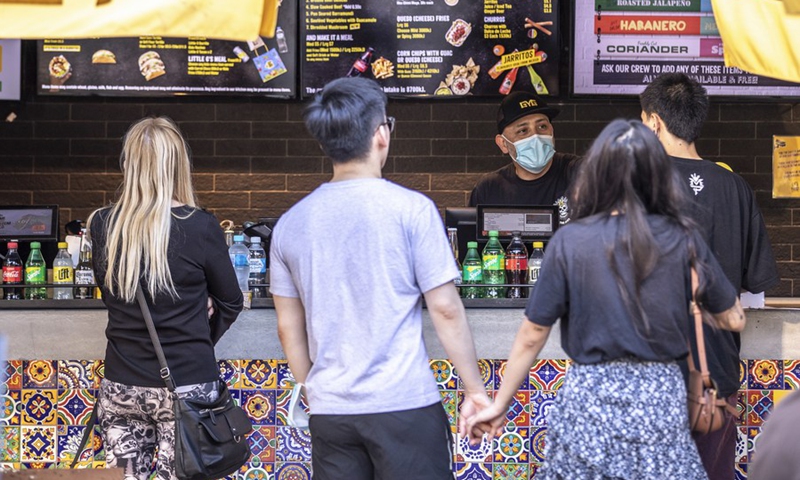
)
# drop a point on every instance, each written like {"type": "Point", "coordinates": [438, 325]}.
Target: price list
{"type": "Point", "coordinates": [431, 47]}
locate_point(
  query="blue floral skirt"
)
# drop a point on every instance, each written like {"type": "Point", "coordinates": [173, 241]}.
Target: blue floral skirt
{"type": "Point", "coordinates": [624, 419]}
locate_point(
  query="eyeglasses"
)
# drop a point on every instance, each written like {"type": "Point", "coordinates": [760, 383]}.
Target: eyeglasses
{"type": "Point", "coordinates": [389, 122]}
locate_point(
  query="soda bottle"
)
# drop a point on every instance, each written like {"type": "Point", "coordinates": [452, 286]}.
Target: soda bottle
{"type": "Point", "coordinates": [508, 82]}
{"type": "Point", "coordinates": [12, 273]}
{"type": "Point", "coordinates": [84, 274]}
{"type": "Point", "coordinates": [517, 266]}
{"type": "Point", "coordinates": [535, 263]}
{"type": "Point", "coordinates": [452, 236]}
{"type": "Point", "coordinates": [240, 258]}
{"type": "Point", "coordinates": [35, 273]}
{"type": "Point", "coordinates": [258, 268]}
{"type": "Point", "coordinates": [494, 266]}
{"type": "Point", "coordinates": [280, 37]}
{"type": "Point", "coordinates": [63, 273]}
{"type": "Point", "coordinates": [472, 272]}
{"type": "Point", "coordinates": [360, 66]}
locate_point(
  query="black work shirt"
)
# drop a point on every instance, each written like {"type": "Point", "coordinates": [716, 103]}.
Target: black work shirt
{"type": "Point", "coordinates": [577, 284]}
{"type": "Point", "coordinates": [504, 187]}
{"type": "Point", "coordinates": [200, 267]}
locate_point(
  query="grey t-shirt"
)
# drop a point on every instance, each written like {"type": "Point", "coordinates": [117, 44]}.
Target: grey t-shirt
{"type": "Point", "coordinates": [359, 254]}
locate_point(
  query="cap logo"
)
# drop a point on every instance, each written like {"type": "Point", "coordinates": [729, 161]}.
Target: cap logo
{"type": "Point", "coordinates": [528, 104]}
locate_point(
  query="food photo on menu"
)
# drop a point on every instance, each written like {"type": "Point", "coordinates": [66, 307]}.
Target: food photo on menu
{"type": "Point", "coordinates": [446, 48]}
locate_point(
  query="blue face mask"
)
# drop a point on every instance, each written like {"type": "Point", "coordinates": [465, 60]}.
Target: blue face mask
{"type": "Point", "coordinates": [534, 153]}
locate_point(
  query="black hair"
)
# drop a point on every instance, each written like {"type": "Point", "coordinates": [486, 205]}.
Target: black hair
{"type": "Point", "coordinates": [680, 101]}
{"type": "Point", "coordinates": [627, 172]}
{"type": "Point", "coordinates": [344, 115]}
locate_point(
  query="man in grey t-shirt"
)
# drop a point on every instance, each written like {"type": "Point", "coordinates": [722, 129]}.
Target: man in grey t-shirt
{"type": "Point", "coordinates": [350, 264]}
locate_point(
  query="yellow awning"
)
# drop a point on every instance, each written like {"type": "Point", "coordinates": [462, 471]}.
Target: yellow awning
{"type": "Point", "coordinates": [761, 36]}
{"type": "Point", "coordinates": [224, 19]}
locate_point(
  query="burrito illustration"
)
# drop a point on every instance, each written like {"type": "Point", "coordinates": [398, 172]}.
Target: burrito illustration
{"type": "Point", "coordinates": [59, 67]}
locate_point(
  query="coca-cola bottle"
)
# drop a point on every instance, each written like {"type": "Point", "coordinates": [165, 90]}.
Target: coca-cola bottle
{"type": "Point", "coordinates": [12, 273]}
{"type": "Point", "coordinates": [517, 266]}
{"type": "Point", "coordinates": [360, 66]}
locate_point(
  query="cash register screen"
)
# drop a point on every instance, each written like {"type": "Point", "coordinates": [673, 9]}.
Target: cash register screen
{"type": "Point", "coordinates": [533, 222]}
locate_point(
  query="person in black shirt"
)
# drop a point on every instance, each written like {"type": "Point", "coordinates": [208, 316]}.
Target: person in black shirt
{"type": "Point", "coordinates": [538, 174]}
{"type": "Point", "coordinates": [618, 277]}
{"type": "Point", "coordinates": [155, 239]}
{"type": "Point", "coordinates": [675, 106]}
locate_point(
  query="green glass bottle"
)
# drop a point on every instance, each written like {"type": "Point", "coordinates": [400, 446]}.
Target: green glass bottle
{"type": "Point", "coordinates": [472, 272]}
{"type": "Point", "coordinates": [494, 269]}
{"type": "Point", "coordinates": [35, 273]}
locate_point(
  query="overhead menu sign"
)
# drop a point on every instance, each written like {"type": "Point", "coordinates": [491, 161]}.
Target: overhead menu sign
{"type": "Point", "coordinates": [162, 66]}
{"type": "Point", "coordinates": [622, 45]}
{"type": "Point", "coordinates": [432, 47]}
{"type": "Point", "coordinates": [10, 69]}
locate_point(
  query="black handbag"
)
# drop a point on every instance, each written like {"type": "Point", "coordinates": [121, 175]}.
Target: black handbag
{"type": "Point", "coordinates": [210, 438]}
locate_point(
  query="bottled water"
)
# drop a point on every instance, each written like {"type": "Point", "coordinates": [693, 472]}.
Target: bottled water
{"type": "Point", "coordinates": [258, 268]}
{"type": "Point", "coordinates": [240, 258]}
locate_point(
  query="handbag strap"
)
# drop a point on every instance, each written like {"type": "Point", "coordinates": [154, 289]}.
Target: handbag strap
{"type": "Point", "coordinates": [698, 333]}
{"type": "Point", "coordinates": [162, 360]}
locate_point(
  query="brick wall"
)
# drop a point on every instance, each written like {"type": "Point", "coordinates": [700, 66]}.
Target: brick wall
{"type": "Point", "coordinates": [253, 158]}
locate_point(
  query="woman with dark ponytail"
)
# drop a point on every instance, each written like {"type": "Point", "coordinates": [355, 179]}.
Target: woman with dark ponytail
{"type": "Point", "coordinates": [618, 277]}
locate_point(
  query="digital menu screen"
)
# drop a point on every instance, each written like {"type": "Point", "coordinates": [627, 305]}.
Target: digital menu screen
{"type": "Point", "coordinates": [432, 47]}
{"type": "Point", "coordinates": [622, 45]}
{"type": "Point", "coordinates": [161, 66]}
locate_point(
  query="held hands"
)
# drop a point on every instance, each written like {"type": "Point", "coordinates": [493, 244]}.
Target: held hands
{"type": "Point", "coordinates": [478, 416]}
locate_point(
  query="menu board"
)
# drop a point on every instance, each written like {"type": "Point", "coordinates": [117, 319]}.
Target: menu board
{"type": "Point", "coordinates": [432, 47]}
{"type": "Point", "coordinates": [9, 69]}
{"type": "Point", "coordinates": [161, 66]}
{"type": "Point", "coordinates": [622, 45]}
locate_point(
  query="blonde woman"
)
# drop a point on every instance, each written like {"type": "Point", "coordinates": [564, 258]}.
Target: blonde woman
{"type": "Point", "coordinates": [156, 239]}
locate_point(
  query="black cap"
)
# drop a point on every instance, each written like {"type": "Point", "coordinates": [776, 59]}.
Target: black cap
{"type": "Point", "coordinates": [519, 104]}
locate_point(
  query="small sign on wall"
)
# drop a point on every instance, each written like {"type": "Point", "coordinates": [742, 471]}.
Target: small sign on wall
{"type": "Point", "coordinates": [10, 69]}
{"type": "Point", "coordinates": [785, 167]}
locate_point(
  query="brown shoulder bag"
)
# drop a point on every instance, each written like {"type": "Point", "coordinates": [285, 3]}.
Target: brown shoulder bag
{"type": "Point", "coordinates": [706, 410]}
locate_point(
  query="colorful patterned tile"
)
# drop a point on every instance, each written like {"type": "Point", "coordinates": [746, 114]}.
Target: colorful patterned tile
{"type": "Point", "coordinates": [98, 373]}
{"type": "Point", "coordinates": [518, 414]}
{"type": "Point", "coordinates": [229, 372]}
{"type": "Point", "coordinates": [10, 407]}
{"type": "Point", "coordinates": [75, 374]}
{"type": "Point", "coordinates": [764, 374]}
{"type": "Point", "coordinates": [741, 445]}
{"type": "Point", "coordinates": [533, 468]}
{"type": "Point", "coordinates": [39, 374]}
{"type": "Point", "coordinates": [481, 453]}
{"type": "Point", "coordinates": [9, 467]}
{"type": "Point", "coordinates": [742, 374]}
{"type": "Point", "coordinates": [499, 372]}
{"type": "Point", "coordinates": [740, 471]}
{"type": "Point", "coordinates": [541, 403]}
{"type": "Point", "coordinates": [255, 471]}
{"type": "Point", "coordinates": [294, 445]}
{"type": "Point", "coordinates": [752, 441]}
{"type": "Point", "coordinates": [38, 465]}
{"type": "Point", "coordinates": [510, 471]}
{"type": "Point", "coordinates": [13, 374]}
{"type": "Point", "coordinates": [258, 374]}
{"type": "Point", "coordinates": [39, 407]}
{"type": "Point", "coordinates": [38, 444]}
{"type": "Point", "coordinates": [791, 374]}
{"type": "Point", "coordinates": [450, 404]}
{"type": "Point", "coordinates": [285, 377]}
{"type": "Point", "coordinates": [75, 406]}
{"type": "Point", "coordinates": [444, 374]}
{"type": "Point", "coordinates": [10, 446]}
{"type": "Point", "coordinates": [547, 374]}
{"type": "Point", "coordinates": [262, 444]}
{"type": "Point", "coordinates": [259, 405]}
{"type": "Point", "coordinates": [741, 408]}
{"type": "Point", "coordinates": [486, 369]}
{"type": "Point", "coordinates": [537, 442]}
{"type": "Point", "coordinates": [512, 446]}
{"type": "Point", "coordinates": [473, 471]}
{"type": "Point", "coordinates": [282, 399]}
{"type": "Point", "coordinates": [98, 447]}
{"type": "Point", "coordinates": [293, 471]}
{"type": "Point", "coordinates": [69, 440]}
{"type": "Point", "coordinates": [759, 405]}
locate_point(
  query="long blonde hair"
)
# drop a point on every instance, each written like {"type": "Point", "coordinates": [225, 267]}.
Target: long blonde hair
{"type": "Point", "coordinates": [156, 171]}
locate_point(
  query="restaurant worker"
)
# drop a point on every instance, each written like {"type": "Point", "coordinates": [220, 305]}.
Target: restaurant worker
{"type": "Point", "coordinates": [538, 175]}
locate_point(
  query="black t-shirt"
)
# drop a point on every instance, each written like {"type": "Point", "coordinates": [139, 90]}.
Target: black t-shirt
{"type": "Point", "coordinates": [725, 209]}
{"type": "Point", "coordinates": [200, 267]}
{"type": "Point", "coordinates": [504, 187]}
{"type": "Point", "coordinates": [577, 284]}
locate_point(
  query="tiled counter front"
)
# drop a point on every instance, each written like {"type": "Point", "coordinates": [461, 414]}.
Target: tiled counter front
{"type": "Point", "coordinates": [46, 405]}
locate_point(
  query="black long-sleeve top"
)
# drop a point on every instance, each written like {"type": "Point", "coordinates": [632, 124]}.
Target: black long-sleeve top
{"type": "Point", "coordinates": [200, 266]}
